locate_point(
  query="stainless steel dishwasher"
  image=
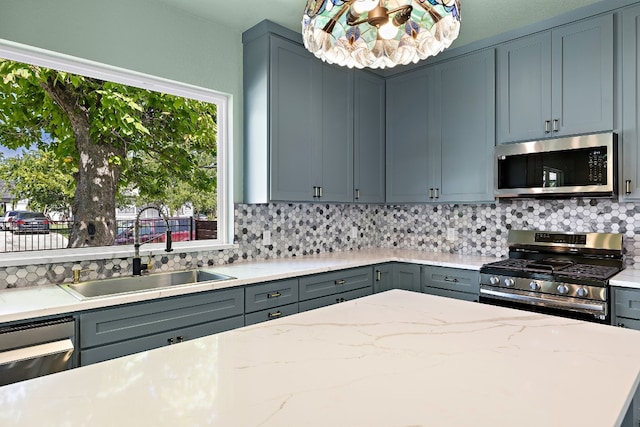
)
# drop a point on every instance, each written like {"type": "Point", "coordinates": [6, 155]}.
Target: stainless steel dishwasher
{"type": "Point", "coordinates": [29, 350]}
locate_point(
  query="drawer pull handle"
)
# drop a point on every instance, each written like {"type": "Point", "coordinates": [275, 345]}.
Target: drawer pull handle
{"type": "Point", "coordinates": [274, 295]}
{"type": "Point", "coordinates": [274, 314]}
{"type": "Point", "coordinates": [170, 341]}
{"type": "Point", "coordinates": [627, 187]}
{"type": "Point", "coordinates": [451, 279]}
{"type": "Point", "coordinates": [180, 339]}
{"type": "Point", "coordinates": [338, 300]}
{"type": "Point", "coordinates": [341, 282]}
{"type": "Point", "coordinates": [378, 275]}
{"type": "Point", "coordinates": [620, 325]}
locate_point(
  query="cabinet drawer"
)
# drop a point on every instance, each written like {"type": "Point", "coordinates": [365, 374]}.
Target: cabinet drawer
{"type": "Point", "coordinates": [453, 279]}
{"type": "Point", "coordinates": [149, 342]}
{"type": "Point", "coordinates": [627, 303]}
{"type": "Point", "coordinates": [137, 320]}
{"type": "Point", "coordinates": [625, 322]}
{"type": "Point", "coordinates": [450, 294]}
{"type": "Point", "coordinates": [333, 299]}
{"type": "Point", "coordinates": [271, 294]}
{"type": "Point", "coordinates": [325, 284]}
{"type": "Point", "coordinates": [270, 314]}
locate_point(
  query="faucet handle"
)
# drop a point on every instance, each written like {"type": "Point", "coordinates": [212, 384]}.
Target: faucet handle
{"type": "Point", "coordinates": [78, 271]}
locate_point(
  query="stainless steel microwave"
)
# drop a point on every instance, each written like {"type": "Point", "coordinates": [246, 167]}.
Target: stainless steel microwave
{"type": "Point", "coordinates": [579, 166]}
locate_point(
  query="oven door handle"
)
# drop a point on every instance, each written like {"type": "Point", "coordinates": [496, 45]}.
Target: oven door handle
{"type": "Point", "coordinates": [545, 300]}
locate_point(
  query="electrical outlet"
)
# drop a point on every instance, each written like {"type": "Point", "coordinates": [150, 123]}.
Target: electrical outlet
{"type": "Point", "coordinates": [451, 234]}
{"type": "Point", "coordinates": [266, 238]}
{"type": "Point", "coordinates": [354, 232]}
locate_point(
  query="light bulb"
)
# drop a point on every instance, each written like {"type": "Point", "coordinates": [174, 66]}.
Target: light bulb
{"type": "Point", "coordinates": [388, 30]}
{"type": "Point", "coordinates": [363, 6]}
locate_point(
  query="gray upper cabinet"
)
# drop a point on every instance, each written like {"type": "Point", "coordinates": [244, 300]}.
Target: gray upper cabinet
{"type": "Point", "coordinates": [296, 79]}
{"type": "Point", "coordinates": [462, 128]}
{"type": "Point", "coordinates": [407, 150]}
{"type": "Point", "coordinates": [441, 132]}
{"type": "Point", "coordinates": [298, 122]}
{"type": "Point", "coordinates": [369, 138]}
{"type": "Point", "coordinates": [630, 96]}
{"type": "Point", "coordinates": [542, 81]}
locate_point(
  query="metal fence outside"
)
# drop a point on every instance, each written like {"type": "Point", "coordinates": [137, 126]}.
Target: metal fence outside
{"type": "Point", "coordinates": [152, 230]}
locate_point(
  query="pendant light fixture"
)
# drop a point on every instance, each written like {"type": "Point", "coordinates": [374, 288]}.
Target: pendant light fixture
{"type": "Point", "coordinates": [379, 33]}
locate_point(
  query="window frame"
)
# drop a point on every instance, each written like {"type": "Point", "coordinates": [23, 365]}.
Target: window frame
{"type": "Point", "coordinates": [45, 58]}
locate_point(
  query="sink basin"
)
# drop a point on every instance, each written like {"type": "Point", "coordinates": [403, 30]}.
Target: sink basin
{"type": "Point", "coordinates": [130, 284]}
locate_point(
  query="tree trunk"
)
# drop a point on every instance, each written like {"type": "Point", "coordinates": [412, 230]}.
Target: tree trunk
{"type": "Point", "coordinates": [94, 205]}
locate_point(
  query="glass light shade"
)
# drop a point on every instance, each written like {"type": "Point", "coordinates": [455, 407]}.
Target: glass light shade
{"type": "Point", "coordinates": [343, 32]}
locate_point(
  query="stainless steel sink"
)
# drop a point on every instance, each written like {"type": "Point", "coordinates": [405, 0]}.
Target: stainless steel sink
{"type": "Point", "coordinates": [130, 284]}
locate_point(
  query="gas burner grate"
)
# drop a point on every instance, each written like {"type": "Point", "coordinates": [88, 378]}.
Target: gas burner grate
{"type": "Point", "coordinates": [588, 271]}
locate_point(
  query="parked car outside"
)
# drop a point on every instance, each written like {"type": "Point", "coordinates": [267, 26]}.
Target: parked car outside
{"type": "Point", "coordinates": [7, 217]}
{"type": "Point", "coordinates": [154, 230]}
{"type": "Point", "coordinates": [29, 222]}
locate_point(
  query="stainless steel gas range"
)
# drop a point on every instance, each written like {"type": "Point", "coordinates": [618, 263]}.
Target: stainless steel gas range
{"type": "Point", "coordinates": [565, 274]}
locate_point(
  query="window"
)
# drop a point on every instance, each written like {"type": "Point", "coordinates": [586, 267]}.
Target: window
{"type": "Point", "coordinates": [172, 102]}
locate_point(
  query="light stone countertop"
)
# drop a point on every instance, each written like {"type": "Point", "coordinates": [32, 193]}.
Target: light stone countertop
{"type": "Point", "coordinates": [28, 303]}
{"type": "Point", "coordinates": [628, 278]}
{"type": "Point", "coordinates": [396, 358]}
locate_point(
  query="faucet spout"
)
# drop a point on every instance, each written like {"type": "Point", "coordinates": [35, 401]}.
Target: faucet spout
{"type": "Point", "coordinates": [137, 262]}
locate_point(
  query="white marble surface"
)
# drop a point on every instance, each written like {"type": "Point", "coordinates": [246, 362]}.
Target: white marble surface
{"type": "Point", "coordinates": [629, 278]}
{"type": "Point", "coordinates": [28, 303]}
{"type": "Point", "coordinates": [396, 358]}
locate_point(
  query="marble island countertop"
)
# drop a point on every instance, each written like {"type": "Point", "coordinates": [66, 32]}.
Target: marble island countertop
{"type": "Point", "coordinates": [396, 358]}
{"type": "Point", "coordinates": [28, 303]}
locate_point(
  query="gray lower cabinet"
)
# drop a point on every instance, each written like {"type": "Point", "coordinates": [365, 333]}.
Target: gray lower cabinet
{"type": "Point", "coordinates": [271, 300]}
{"type": "Point", "coordinates": [114, 332]}
{"type": "Point", "coordinates": [625, 313]}
{"type": "Point", "coordinates": [396, 275]}
{"type": "Point", "coordinates": [330, 288]}
{"type": "Point", "coordinates": [451, 282]}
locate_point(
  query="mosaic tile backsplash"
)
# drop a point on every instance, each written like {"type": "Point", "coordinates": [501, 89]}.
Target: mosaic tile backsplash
{"type": "Point", "coordinates": [302, 229]}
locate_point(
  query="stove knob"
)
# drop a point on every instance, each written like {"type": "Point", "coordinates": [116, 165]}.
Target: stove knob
{"type": "Point", "coordinates": [534, 286]}
{"type": "Point", "coordinates": [509, 282]}
{"type": "Point", "coordinates": [494, 280]}
{"type": "Point", "coordinates": [583, 292]}
{"type": "Point", "coordinates": [563, 289]}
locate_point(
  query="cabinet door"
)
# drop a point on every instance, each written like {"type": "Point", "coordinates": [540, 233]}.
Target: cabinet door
{"type": "Point", "coordinates": [369, 122]}
{"type": "Point", "coordinates": [406, 276]}
{"type": "Point", "coordinates": [630, 97]}
{"type": "Point", "coordinates": [332, 283]}
{"type": "Point", "coordinates": [407, 153]}
{"type": "Point", "coordinates": [336, 126]}
{"type": "Point", "coordinates": [383, 278]}
{"type": "Point", "coordinates": [626, 303]}
{"type": "Point", "coordinates": [296, 77]}
{"type": "Point", "coordinates": [582, 76]}
{"type": "Point", "coordinates": [524, 88]}
{"type": "Point", "coordinates": [149, 342]}
{"type": "Point", "coordinates": [463, 143]}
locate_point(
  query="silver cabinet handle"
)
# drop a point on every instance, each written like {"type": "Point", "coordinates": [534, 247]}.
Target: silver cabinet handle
{"type": "Point", "coordinates": [378, 275]}
{"type": "Point", "coordinates": [340, 282]}
{"type": "Point", "coordinates": [451, 279]}
{"type": "Point", "coordinates": [274, 295]}
{"type": "Point", "coordinates": [319, 191]}
{"type": "Point", "coordinates": [555, 125]}
{"type": "Point", "coordinates": [315, 192]}
{"type": "Point", "coordinates": [627, 186]}
{"type": "Point", "coordinates": [274, 314]}
{"type": "Point", "coordinates": [180, 339]}
{"type": "Point", "coordinates": [547, 123]}
{"type": "Point", "coordinates": [431, 193]}
{"type": "Point", "coordinates": [357, 194]}
{"type": "Point", "coordinates": [170, 341]}
{"type": "Point", "coordinates": [436, 193]}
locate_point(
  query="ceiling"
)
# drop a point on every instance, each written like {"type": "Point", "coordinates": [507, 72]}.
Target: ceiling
{"type": "Point", "coordinates": [480, 18]}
